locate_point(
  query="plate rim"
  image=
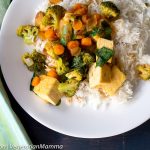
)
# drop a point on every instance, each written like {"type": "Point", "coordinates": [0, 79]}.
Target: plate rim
{"type": "Point", "coordinates": [38, 118]}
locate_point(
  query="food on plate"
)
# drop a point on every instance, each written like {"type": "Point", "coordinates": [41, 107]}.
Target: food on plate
{"type": "Point", "coordinates": [28, 33]}
{"type": "Point", "coordinates": [84, 48]}
{"type": "Point", "coordinates": [47, 89]}
{"type": "Point", "coordinates": [109, 9]}
{"type": "Point", "coordinates": [99, 75]}
{"type": "Point", "coordinates": [117, 80]}
{"type": "Point", "coordinates": [34, 61]}
{"type": "Point", "coordinates": [144, 71]}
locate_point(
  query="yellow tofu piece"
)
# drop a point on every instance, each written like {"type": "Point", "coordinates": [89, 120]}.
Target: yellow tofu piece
{"type": "Point", "coordinates": [117, 80]}
{"type": "Point", "coordinates": [99, 75]}
{"type": "Point", "coordinates": [105, 43]}
{"type": "Point", "coordinates": [47, 89]}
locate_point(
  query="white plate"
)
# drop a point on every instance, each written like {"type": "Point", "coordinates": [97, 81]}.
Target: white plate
{"type": "Point", "coordinates": [74, 121]}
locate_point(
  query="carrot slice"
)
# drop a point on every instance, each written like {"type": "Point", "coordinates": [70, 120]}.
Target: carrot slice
{"type": "Point", "coordinates": [42, 35]}
{"type": "Point", "coordinates": [50, 34]}
{"type": "Point", "coordinates": [72, 44]}
{"type": "Point", "coordinates": [52, 73]}
{"type": "Point", "coordinates": [86, 41]}
{"type": "Point", "coordinates": [58, 49]}
{"type": "Point", "coordinates": [55, 1]}
{"type": "Point", "coordinates": [35, 81]}
{"type": "Point", "coordinates": [77, 25]}
{"type": "Point", "coordinates": [74, 48]}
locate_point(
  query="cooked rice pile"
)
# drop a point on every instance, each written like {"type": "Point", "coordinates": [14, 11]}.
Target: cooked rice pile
{"type": "Point", "coordinates": [132, 34]}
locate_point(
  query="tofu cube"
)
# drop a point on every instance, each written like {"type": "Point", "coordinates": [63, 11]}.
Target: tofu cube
{"type": "Point", "coordinates": [117, 80]}
{"type": "Point", "coordinates": [47, 89]}
{"type": "Point", "coordinates": [99, 75]}
{"type": "Point", "coordinates": [105, 43]}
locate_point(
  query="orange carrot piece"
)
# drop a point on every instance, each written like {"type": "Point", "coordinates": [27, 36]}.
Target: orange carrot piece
{"type": "Point", "coordinates": [77, 25]}
{"type": "Point", "coordinates": [58, 49]}
{"type": "Point", "coordinates": [86, 41]}
{"type": "Point", "coordinates": [52, 73]}
{"type": "Point", "coordinates": [74, 48]}
{"type": "Point", "coordinates": [77, 6]}
{"type": "Point", "coordinates": [42, 35]}
{"type": "Point", "coordinates": [72, 44]}
{"type": "Point", "coordinates": [35, 81]}
{"type": "Point", "coordinates": [50, 34]}
{"type": "Point", "coordinates": [55, 1]}
{"type": "Point", "coordinates": [80, 9]}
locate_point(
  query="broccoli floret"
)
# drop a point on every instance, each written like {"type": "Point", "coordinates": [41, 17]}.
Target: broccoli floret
{"type": "Point", "coordinates": [87, 58]}
{"type": "Point", "coordinates": [109, 10]}
{"type": "Point", "coordinates": [82, 62]}
{"type": "Point", "coordinates": [46, 21]}
{"type": "Point", "coordinates": [49, 49]}
{"type": "Point", "coordinates": [35, 62]}
{"type": "Point", "coordinates": [106, 30]}
{"type": "Point", "coordinates": [61, 67]}
{"type": "Point", "coordinates": [77, 62]}
{"type": "Point", "coordinates": [53, 16]}
{"type": "Point", "coordinates": [84, 59]}
{"type": "Point", "coordinates": [28, 33]}
{"type": "Point", "coordinates": [69, 87]}
{"type": "Point", "coordinates": [144, 71]}
{"type": "Point", "coordinates": [75, 74]}
{"type": "Point", "coordinates": [27, 60]}
{"type": "Point", "coordinates": [103, 31]}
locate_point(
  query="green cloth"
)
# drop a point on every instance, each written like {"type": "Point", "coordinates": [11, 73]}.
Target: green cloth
{"type": "Point", "coordinates": [11, 130]}
{"type": "Point", "coordinates": [3, 7]}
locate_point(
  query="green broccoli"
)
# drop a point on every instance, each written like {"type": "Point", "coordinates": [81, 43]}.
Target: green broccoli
{"type": "Point", "coordinates": [109, 10]}
{"type": "Point", "coordinates": [27, 60]}
{"type": "Point", "coordinates": [103, 31]}
{"type": "Point", "coordinates": [107, 30]}
{"type": "Point", "coordinates": [75, 74]}
{"type": "Point", "coordinates": [143, 71]}
{"type": "Point", "coordinates": [28, 33]}
{"type": "Point", "coordinates": [78, 63]}
{"type": "Point", "coordinates": [53, 16]}
{"type": "Point", "coordinates": [61, 67]}
{"type": "Point", "coordinates": [69, 87]}
{"type": "Point", "coordinates": [87, 58]}
{"type": "Point", "coordinates": [82, 62]}
{"type": "Point", "coordinates": [49, 49]}
{"type": "Point", "coordinates": [35, 62]}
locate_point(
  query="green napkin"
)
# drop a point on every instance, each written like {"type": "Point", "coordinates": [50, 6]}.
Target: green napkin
{"type": "Point", "coordinates": [3, 7]}
{"type": "Point", "coordinates": [11, 130]}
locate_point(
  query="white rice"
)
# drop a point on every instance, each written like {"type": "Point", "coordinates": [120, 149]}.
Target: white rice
{"type": "Point", "coordinates": [133, 30]}
{"type": "Point", "coordinates": [145, 59]}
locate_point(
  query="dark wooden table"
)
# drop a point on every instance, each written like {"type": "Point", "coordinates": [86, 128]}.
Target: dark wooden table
{"type": "Point", "coordinates": [137, 139]}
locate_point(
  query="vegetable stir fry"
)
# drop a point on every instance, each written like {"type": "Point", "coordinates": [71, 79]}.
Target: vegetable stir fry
{"type": "Point", "coordinates": [78, 46]}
